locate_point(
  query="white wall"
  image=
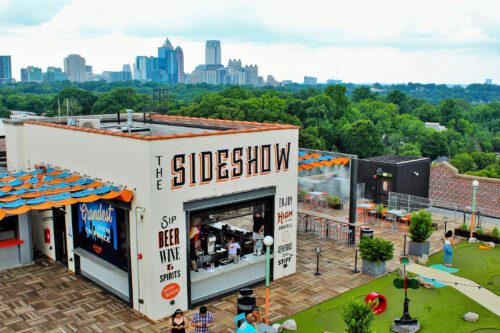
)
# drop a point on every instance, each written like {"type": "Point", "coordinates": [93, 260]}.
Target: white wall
{"type": "Point", "coordinates": [134, 163]}
{"type": "Point", "coordinates": [40, 221]}
{"type": "Point", "coordinates": [169, 203]}
{"type": "Point", "coordinates": [120, 160]}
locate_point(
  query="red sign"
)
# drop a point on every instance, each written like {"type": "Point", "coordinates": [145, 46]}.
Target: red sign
{"type": "Point", "coordinates": [170, 291]}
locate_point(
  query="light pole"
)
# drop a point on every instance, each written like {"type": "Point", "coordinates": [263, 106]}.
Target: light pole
{"type": "Point", "coordinates": [268, 241]}
{"type": "Point", "coordinates": [475, 185]}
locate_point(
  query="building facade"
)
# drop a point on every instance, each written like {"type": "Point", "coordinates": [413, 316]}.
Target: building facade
{"type": "Point", "coordinates": [167, 63]}
{"type": "Point", "coordinates": [75, 68]}
{"type": "Point", "coordinates": [310, 80]}
{"type": "Point", "coordinates": [55, 74]}
{"type": "Point", "coordinates": [145, 68]}
{"type": "Point", "coordinates": [195, 183]}
{"type": "Point", "coordinates": [5, 69]}
{"type": "Point", "coordinates": [212, 52]}
{"type": "Point", "coordinates": [31, 74]}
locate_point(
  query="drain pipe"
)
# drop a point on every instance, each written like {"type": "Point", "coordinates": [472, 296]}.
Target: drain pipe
{"type": "Point", "coordinates": [139, 217]}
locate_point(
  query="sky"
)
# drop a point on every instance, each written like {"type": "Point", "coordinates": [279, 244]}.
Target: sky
{"type": "Point", "coordinates": [359, 41]}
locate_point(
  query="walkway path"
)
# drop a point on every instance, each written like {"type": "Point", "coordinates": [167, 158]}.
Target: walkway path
{"type": "Point", "coordinates": [482, 296]}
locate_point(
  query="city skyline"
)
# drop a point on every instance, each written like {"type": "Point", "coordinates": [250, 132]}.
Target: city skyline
{"type": "Point", "coordinates": [454, 42]}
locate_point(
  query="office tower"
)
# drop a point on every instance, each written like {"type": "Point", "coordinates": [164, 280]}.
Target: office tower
{"type": "Point", "coordinates": [212, 52]}
{"type": "Point", "coordinates": [181, 76]}
{"type": "Point", "coordinates": [234, 65]}
{"type": "Point", "coordinates": [88, 70]}
{"type": "Point", "coordinates": [310, 80]}
{"type": "Point", "coordinates": [5, 69]}
{"type": "Point", "coordinates": [488, 81]}
{"type": "Point", "coordinates": [31, 74]}
{"type": "Point", "coordinates": [75, 68]}
{"type": "Point", "coordinates": [55, 74]}
{"type": "Point", "coordinates": [333, 81]}
{"type": "Point", "coordinates": [251, 75]}
{"type": "Point", "coordinates": [167, 63]}
{"type": "Point", "coordinates": [145, 68]}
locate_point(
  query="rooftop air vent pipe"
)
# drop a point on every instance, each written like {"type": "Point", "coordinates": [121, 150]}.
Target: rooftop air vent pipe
{"type": "Point", "coordinates": [129, 120]}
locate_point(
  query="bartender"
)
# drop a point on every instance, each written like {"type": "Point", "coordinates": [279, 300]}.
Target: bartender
{"type": "Point", "coordinates": [232, 248]}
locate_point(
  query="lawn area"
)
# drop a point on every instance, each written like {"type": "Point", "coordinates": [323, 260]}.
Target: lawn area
{"type": "Point", "coordinates": [480, 266]}
{"type": "Point", "coordinates": [438, 310]}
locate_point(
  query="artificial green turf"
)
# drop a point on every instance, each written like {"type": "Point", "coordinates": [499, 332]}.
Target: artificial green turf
{"type": "Point", "coordinates": [438, 310]}
{"type": "Point", "coordinates": [480, 266]}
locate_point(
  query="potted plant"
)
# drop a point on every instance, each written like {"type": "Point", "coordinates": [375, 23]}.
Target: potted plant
{"type": "Point", "coordinates": [462, 231]}
{"type": "Point", "coordinates": [333, 201]}
{"type": "Point", "coordinates": [302, 195]}
{"type": "Point", "coordinates": [420, 230]}
{"type": "Point", "coordinates": [358, 316]}
{"type": "Point", "coordinates": [380, 209]}
{"type": "Point", "coordinates": [374, 253]}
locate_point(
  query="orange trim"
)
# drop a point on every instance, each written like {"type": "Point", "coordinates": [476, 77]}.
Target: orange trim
{"type": "Point", "coordinates": [262, 128]}
{"type": "Point", "coordinates": [111, 195]}
{"type": "Point", "coordinates": [18, 211]}
{"type": "Point", "coordinates": [90, 198]}
{"type": "Point", "coordinates": [9, 199]}
{"type": "Point", "coordinates": [45, 205]}
{"type": "Point", "coordinates": [126, 195]}
{"type": "Point", "coordinates": [2, 214]}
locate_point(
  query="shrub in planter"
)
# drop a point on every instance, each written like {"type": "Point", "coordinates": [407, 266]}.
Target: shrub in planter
{"type": "Point", "coordinates": [380, 209]}
{"type": "Point", "coordinates": [302, 195]}
{"type": "Point", "coordinates": [479, 231]}
{"type": "Point", "coordinates": [358, 316]}
{"type": "Point", "coordinates": [375, 252]}
{"type": "Point", "coordinates": [420, 230]}
{"type": "Point", "coordinates": [464, 227]}
{"type": "Point", "coordinates": [495, 232]}
{"type": "Point", "coordinates": [333, 201]}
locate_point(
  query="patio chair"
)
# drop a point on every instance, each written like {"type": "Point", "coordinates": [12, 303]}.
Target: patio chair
{"type": "Point", "coordinates": [239, 319]}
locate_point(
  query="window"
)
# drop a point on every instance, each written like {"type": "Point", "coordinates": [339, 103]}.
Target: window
{"type": "Point", "coordinates": [8, 228]}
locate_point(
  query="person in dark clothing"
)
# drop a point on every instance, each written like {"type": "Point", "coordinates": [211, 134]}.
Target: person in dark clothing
{"type": "Point", "coordinates": [193, 255]}
{"type": "Point", "coordinates": [178, 323]}
{"type": "Point", "coordinates": [258, 226]}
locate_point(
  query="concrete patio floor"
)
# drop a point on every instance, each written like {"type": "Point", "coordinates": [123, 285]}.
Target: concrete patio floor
{"type": "Point", "coordinates": [44, 297]}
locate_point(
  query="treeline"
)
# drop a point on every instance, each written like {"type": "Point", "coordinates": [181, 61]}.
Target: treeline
{"type": "Point", "coordinates": [359, 122]}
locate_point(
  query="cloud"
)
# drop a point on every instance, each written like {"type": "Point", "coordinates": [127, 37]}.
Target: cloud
{"type": "Point", "coordinates": [15, 13]}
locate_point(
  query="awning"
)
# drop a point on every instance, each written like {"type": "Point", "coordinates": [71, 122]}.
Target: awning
{"type": "Point", "coordinates": [317, 160]}
{"type": "Point", "coordinates": [46, 187]}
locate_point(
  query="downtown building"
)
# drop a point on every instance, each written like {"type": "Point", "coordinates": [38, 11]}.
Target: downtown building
{"type": "Point", "coordinates": [167, 67]}
{"type": "Point", "coordinates": [5, 69]}
{"type": "Point", "coordinates": [31, 74]}
{"type": "Point", "coordinates": [75, 68]}
{"type": "Point", "coordinates": [54, 74]}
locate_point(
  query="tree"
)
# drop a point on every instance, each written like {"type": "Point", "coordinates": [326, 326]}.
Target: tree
{"type": "Point", "coordinates": [84, 98]}
{"type": "Point", "coordinates": [435, 145]}
{"type": "Point", "coordinates": [310, 138]}
{"type": "Point", "coordinates": [400, 99]}
{"type": "Point", "coordinates": [463, 162]}
{"type": "Point", "coordinates": [482, 160]}
{"type": "Point", "coordinates": [338, 94]}
{"type": "Point", "coordinates": [410, 149]}
{"type": "Point", "coordinates": [450, 110]}
{"type": "Point", "coordinates": [361, 138]}
{"type": "Point", "coordinates": [362, 93]}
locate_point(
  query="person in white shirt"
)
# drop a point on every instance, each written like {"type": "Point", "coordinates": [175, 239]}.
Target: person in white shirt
{"type": "Point", "coordinates": [232, 248]}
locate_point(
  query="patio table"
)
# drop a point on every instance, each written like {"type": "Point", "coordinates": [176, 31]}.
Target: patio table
{"type": "Point", "coordinates": [395, 214]}
{"type": "Point", "coordinates": [365, 206]}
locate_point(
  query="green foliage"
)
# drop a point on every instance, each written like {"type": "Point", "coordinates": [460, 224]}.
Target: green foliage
{"type": "Point", "coordinates": [479, 231]}
{"type": "Point", "coordinates": [333, 200]}
{"type": "Point", "coordinates": [362, 139]}
{"type": "Point", "coordinates": [358, 316]}
{"type": "Point", "coordinates": [482, 160]}
{"type": "Point", "coordinates": [464, 226]}
{"type": "Point", "coordinates": [421, 226]}
{"type": "Point", "coordinates": [495, 232]}
{"type": "Point", "coordinates": [434, 145]}
{"type": "Point", "coordinates": [310, 138]}
{"type": "Point", "coordinates": [410, 149]}
{"type": "Point", "coordinates": [463, 162]}
{"type": "Point", "coordinates": [79, 101]}
{"type": "Point", "coordinates": [362, 93]}
{"type": "Point", "coordinates": [376, 249]}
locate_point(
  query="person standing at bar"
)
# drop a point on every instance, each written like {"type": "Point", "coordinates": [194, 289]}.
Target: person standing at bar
{"type": "Point", "coordinates": [258, 226]}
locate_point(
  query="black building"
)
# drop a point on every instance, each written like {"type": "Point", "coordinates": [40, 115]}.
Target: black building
{"type": "Point", "coordinates": [401, 174]}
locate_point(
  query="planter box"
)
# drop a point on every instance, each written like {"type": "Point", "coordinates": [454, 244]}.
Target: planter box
{"type": "Point", "coordinates": [417, 249]}
{"type": "Point", "coordinates": [481, 237]}
{"type": "Point", "coordinates": [373, 268]}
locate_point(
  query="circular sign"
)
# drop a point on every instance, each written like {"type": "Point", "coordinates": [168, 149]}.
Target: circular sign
{"type": "Point", "coordinates": [170, 291]}
{"type": "Point", "coordinates": [285, 236]}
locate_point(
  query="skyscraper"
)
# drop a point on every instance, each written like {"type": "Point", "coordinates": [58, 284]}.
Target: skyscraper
{"type": "Point", "coordinates": [181, 77]}
{"type": "Point", "coordinates": [145, 68]}
{"type": "Point", "coordinates": [212, 52]}
{"type": "Point", "coordinates": [55, 74]}
{"type": "Point", "coordinates": [167, 63]}
{"type": "Point", "coordinates": [74, 68]}
{"type": "Point", "coordinates": [5, 69]}
{"type": "Point", "coordinates": [31, 74]}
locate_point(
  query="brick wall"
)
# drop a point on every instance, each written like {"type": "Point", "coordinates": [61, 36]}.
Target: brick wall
{"type": "Point", "coordinates": [447, 185]}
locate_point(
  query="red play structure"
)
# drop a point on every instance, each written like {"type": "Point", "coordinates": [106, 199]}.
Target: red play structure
{"type": "Point", "coordinates": [377, 302]}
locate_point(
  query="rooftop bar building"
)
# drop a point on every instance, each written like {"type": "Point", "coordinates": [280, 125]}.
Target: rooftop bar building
{"type": "Point", "coordinates": [149, 210]}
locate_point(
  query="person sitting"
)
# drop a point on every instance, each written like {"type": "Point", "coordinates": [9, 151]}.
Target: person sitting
{"type": "Point", "coordinates": [248, 326]}
{"type": "Point", "coordinates": [257, 315]}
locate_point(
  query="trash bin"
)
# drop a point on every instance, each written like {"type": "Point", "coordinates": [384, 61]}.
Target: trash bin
{"type": "Point", "coordinates": [366, 233]}
{"type": "Point", "coordinates": [246, 301]}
